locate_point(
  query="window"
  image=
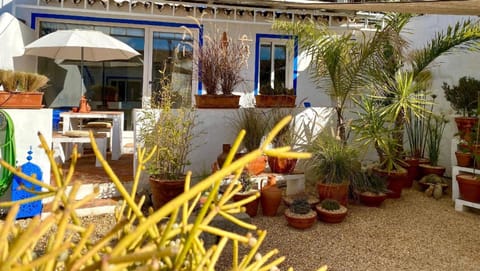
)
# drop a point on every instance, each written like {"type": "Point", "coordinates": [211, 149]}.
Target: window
{"type": "Point", "coordinates": [275, 62]}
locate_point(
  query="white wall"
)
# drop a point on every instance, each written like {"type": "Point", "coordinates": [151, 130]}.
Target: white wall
{"type": "Point", "coordinates": [448, 68]}
{"type": "Point", "coordinates": [27, 123]}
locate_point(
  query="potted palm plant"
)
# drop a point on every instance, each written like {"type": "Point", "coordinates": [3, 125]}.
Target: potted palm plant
{"type": "Point", "coordinates": [21, 89]}
{"type": "Point", "coordinates": [220, 64]}
{"type": "Point", "coordinates": [463, 99]}
{"type": "Point", "coordinates": [169, 133]}
{"type": "Point", "coordinates": [300, 214]}
{"type": "Point", "coordinates": [332, 167]}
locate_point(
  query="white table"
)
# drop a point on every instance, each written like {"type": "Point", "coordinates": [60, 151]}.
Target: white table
{"type": "Point", "coordinates": [117, 126]}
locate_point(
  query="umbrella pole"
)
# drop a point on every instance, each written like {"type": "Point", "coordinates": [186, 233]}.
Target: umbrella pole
{"type": "Point", "coordinates": [81, 73]}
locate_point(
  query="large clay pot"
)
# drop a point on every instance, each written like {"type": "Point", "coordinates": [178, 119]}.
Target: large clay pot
{"type": "Point", "coordinates": [395, 181]}
{"type": "Point", "coordinates": [465, 125]}
{"type": "Point", "coordinates": [413, 170]}
{"type": "Point", "coordinates": [464, 159]}
{"type": "Point", "coordinates": [337, 192]}
{"type": "Point", "coordinates": [427, 169]}
{"type": "Point", "coordinates": [270, 196]}
{"type": "Point", "coordinates": [469, 187]}
{"type": "Point", "coordinates": [257, 166]}
{"type": "Point", "coordinates": [282, 165]}
{"type": "Point", "coordinates": [164, 191]}
{"type": "Point", "coordinates": [251, 208]}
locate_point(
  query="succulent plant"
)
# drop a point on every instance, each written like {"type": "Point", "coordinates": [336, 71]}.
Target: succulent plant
{"type": "Point", "coordinates": [300, 206]}
{"type": "Point", "coordinates": [330, 204]}
{"type": "Point", "coordinates": [246, 181]}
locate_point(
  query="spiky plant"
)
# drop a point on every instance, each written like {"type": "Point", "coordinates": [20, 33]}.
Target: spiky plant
{"type": "Point", "coordinates": [330, 204]}
{"type": "Point", "coordinates": [300, 206]}
{"type": "Point", "coordinates": [8, 80]}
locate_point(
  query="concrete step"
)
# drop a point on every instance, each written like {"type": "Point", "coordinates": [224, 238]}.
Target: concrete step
{"type": "Point", "coordinates": [93, 207]}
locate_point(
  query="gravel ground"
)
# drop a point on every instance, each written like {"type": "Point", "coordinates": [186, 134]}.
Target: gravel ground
{"type": "Point", "coordinates": [414, 232]}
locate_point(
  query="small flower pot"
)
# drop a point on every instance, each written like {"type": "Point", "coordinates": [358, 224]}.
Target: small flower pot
{"type": "Point", "coordinates": [335, 216]}
{"type": "Point", "coordinates": [469, 187]}
{"type": "Point", "coordinates": [464, 159]}
{"type": "Point", "coordinates": [300, 221]}
{"type": "Point", "coordinates": [372, 199]}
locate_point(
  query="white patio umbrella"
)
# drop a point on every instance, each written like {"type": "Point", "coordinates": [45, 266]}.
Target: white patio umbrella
{"type": "Point", "coordinates": [80, 44]}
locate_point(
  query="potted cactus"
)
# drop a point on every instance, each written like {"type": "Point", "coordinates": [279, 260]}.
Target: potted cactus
{"type": "Point", "coordinates": [300, 214]}
{"type": "Point", "coordinates": [248, 190]}
{"type": "Point", "coordinates": [331, 211]}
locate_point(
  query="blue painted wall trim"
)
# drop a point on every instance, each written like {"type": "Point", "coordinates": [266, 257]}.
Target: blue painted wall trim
{"type": "Point", "coordinates": [121, 21]}
{"type": "Point", "coordinates": [258, 37]}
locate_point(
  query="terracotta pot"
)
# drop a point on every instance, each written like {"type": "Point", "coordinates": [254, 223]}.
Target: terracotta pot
{"type": "Point", "coordinates": [271, 101]}
{"type": "Point", "coordinates": [429, 169]}
{"type": "Point", "coordinates": [469, 187]}
{"type": "Point", "coordinates": [464, 159]}
{"type": "Point", "coordinates": [251, 208]}
{"type": "Point", "coordinates": [413, 171]}
{"type": "Point", "coordinates": [395, 181]}
{"type": "Point", "coordinates": [282, 165]}
{"type": "Point", "coordinates": [465, 125]}
{"type": "Point", "coordinates": [270, 197]}
{"type": "Point", "coordinates": [337, 192]}
{"type": "Point", "coordinates": [164, 191]}
{"type": "Point", "coordinates": [23, 100]}
{"type": "Point", "coordinates": [257, 166]}
{"type": "Point", "coordinates": [372, 199]}
{"type": "Point", "coordinates": [330, 216]}
{"type": "Point", "coordinates": [217, 101]}
{"type": "Point", "coordinates": [300, 221]}
{"type": "Point", "coordinates": [223, 156]}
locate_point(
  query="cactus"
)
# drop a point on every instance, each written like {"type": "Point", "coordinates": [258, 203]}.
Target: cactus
{"type": "Point", "coordinates": [300, 206]}
{"type": "Point", "coordinates": [330, 204]}
{"type": "Point", "coordinates": [433, 179]}
{"type": "Point", "coordinates": [246, 181]}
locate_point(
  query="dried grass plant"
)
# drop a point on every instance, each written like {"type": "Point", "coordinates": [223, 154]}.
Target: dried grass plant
{"type": "Point", "coordinates": [8, 80]}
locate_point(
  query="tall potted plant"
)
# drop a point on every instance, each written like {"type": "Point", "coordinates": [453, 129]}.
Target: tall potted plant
{"type": "Point", "coordinates": [463, 99]}
{"type": "Point", "coordinates": [170, 132]}
{"type": "Point", "coordinates": [220, 64]}
{"type": "Point", "coordinates": [21, 89]}
{"type": "Point", "coordinates": [435, 129]}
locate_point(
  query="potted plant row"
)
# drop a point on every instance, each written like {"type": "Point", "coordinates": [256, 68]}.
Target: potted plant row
{"type": "Point", "coordinates": [21, 89]}
{"type": "Point", "coordinates": [275, 97]}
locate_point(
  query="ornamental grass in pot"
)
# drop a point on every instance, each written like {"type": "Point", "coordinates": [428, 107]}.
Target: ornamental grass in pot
{"type": "Point", "coordinates": [333, 166]}
{"type": "Point", "coordinates": [220, 64]}
{"type": "Point", "coordinates": [21, 89]}
{"type": "Point", "coordinates": [371, 189]}
{"type": "Point", "coordinates": [255, 124]}
{"type": "Point", "coordinates": [300, 214]}
{"type": "Point", "coordinates": [169, 134]}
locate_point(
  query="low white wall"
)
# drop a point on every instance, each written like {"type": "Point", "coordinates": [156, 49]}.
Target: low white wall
{"type": "Point", "coordinates": [27, 123]}
{"type": "Point", "coordinates": [215, 129]}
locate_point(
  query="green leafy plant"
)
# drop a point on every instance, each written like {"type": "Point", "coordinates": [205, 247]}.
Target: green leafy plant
{"type": "Point", "coordinates": [332, 161]}
{"type": "Point", "coordinates": [330, 204]}
{"type": "Point", "coordinates": [463, 96]}
{"type": "Point", "coordinates": [168, 238]}
{"type": "Point", "coordinates": [435, 130]}
{"type": "Point", "coordinates": [300, 206]}
{"type": "Point", "coordinates": [278, 90]}
{"type": "Point", "coordinates": [246, 182]}
{"type": "Point", "coordinates": [170, 132]}
{"type": "Point", "coordinates": [369, 182]}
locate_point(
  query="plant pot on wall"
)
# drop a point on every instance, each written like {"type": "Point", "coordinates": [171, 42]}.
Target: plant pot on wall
{"type": "Point", "coordinates": [464, 159]}
{"type": "Point", "coordinates": [272, 101]}
{"type": "Point", "coordinates": [217, 101]}
{"type": "Point", "coordinates": [22, 100]}
{"type": "Point", "coordinates": [282, 165]}
{"type": "Point", "coordinates": [465, 125]}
